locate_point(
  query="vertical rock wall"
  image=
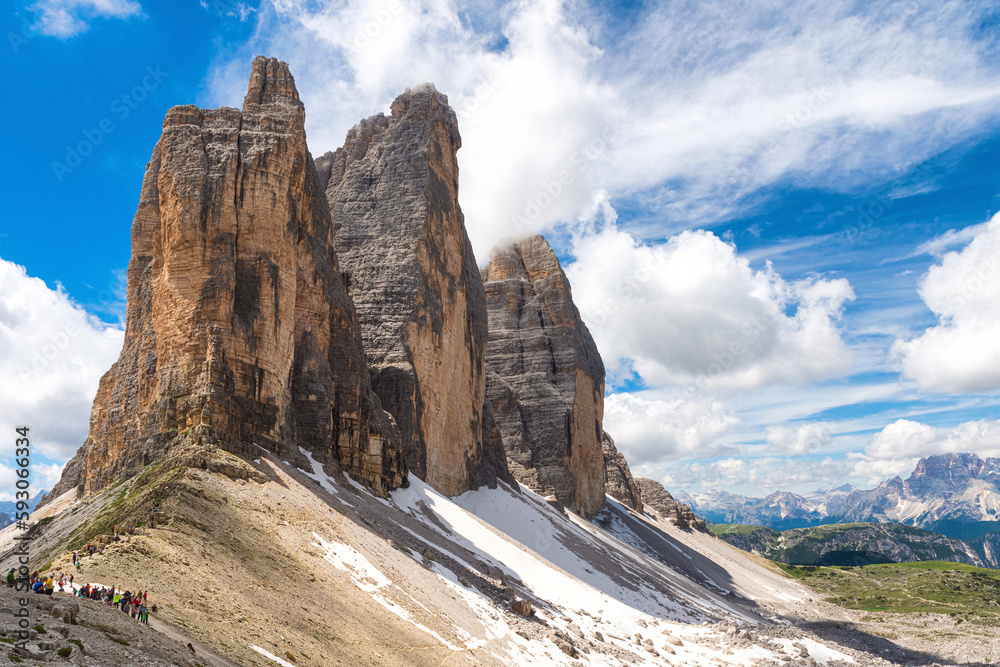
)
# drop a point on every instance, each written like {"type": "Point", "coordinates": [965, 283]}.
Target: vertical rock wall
{"type": "Point", "coordinates": [546, 378]}
{"type": "Point", "coordinates": [410, 270]}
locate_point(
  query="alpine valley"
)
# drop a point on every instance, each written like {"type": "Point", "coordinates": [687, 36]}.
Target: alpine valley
{"type": "Point", "coordinates": [954, 495]}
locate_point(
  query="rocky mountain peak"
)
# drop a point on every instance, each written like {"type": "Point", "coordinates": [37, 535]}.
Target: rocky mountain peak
{"type": "Point", "coordinates": [658, 499]}
{"type": "Point", "coordinates": [408, 263]}
{"type": "Point", "coordinates": [239, 332]}
{"type": "Point", "coordinates": [271, 82]}
{"type": "Point", "coordinates": [953, 469]}
{"type": "Point", "coordinates": [546, 378]}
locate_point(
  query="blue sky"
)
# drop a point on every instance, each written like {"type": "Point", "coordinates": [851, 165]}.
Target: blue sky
{"type": "Point", "coordinates": [776, 215]}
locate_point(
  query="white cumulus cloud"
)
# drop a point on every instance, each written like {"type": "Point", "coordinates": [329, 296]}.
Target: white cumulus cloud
{"type": "Point", "coordinates": [961, 353]}
{"type": "Point", "coordinates": [909, 439]}
{"type": "Point", "coordinates": [693, 311]}
{"type": "Point", "coordinates": [52, 355]}
{"type": "Point", "coordinates": [797, 440]}
{"type": "Point", "coordinates": [66, 18]}
{"type": "Point", "coordinates": [758, 476]}
{"type": "Point", "coordinates": [655, 430]}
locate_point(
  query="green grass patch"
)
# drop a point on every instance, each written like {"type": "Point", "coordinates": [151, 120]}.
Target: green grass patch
{"type": "Point", "coordinates": [927, 587]}
{"type": "Point", "coordinates": [117, 639]}
{"type": "Point", "coordinates": [64, 652]}
{"type": "Point", "coordinates": [719, 529]}
{"type": "Point", "coordinates": [77, 642]}
{"type": "Point", "coordinates": [40, 629]}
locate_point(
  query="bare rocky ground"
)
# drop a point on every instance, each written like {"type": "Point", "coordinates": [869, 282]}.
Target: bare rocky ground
{"type": "Point", "coordinates": [265, 565]}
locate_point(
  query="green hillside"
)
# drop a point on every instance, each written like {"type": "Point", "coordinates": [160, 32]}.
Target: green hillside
{"type": "Point", "coordinates": [848, 544]}
{"type": "Point", "coordinates": [928, 587]}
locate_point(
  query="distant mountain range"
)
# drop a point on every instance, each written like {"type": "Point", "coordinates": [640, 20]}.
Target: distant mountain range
{"type": "Point", "coordinates": [956, 495]}
{"type": "Point", "coordinates": [849, 544]}
{"type": "Point", "coordinates": [8, 507]}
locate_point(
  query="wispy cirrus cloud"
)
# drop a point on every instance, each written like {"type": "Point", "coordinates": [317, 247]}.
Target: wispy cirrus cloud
{"type": "Point", "coordinates": [687, 107]}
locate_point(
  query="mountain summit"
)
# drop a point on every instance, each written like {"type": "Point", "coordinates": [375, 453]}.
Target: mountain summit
{"type": "Point", "coordinates": [239, 331]}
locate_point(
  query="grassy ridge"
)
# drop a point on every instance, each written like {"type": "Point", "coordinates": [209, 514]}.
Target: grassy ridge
{"type": "Point", "coordinates": [926, 587]}
{"type": "Point", "coordinates": [720, 529]}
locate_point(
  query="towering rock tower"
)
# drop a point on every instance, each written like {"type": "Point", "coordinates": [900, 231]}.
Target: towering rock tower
{"type": "Point", "coordinates": [410, 270]}
{"type": "Point", "coordinates": [546, 381]}
{"type": "Point", "coordinates": [239, 330]}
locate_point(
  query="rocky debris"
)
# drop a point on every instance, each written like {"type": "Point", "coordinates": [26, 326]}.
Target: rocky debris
{"type": "Point", "coordinates": [239, 331]}
{"type": "Point", "coordinates": [521, 607]}
{"type": "Point", "coordinates": [563, 642]}
{"type": "Point", "coordinates": [409, 267]}
{"type": "Point", "coordinates": [545, 378]}
{"type": "Point", "coordinates": [655, 497]}
{"type": "Point", "coordinates": [618, 478]}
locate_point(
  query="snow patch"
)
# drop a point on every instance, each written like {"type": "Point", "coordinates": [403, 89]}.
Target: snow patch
{"type": "Point", "coordinates": [283, 663]}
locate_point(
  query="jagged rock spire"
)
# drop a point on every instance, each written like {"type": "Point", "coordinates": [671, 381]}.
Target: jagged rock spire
{"type": "Point", "coordinates": [407, 260]}
{"type": "Point", "coordinates": [271, 82]}
{"type": "Point", "coordinates": [546, 381]}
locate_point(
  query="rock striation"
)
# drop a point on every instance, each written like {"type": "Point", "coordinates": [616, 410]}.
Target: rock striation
{"type": "Point", "coordinates": [545, 378]}
{"type": "Point", "coordinates": [239, 331]}
{"type": "Point", "coordinates": [618, 477]}
{"type": "Point", "coordinates": [656, 498]}
{"type": "Point", "coordinates": [409, 267]}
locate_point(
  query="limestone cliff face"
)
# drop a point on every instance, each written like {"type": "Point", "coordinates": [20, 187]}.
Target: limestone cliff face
{"type": "Point", "coordinates": [658, 499]}
{"type": "Point", "coordinates": [546, 378]}
{"type": "Point", "coordinates": [409, 267]}
{"type": "Point", "coordinates": [618, 477]}
{"type": "Point", "coordinates": [239, 330]}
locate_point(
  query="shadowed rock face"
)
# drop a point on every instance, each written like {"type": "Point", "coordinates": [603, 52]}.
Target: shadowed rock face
{"type": "Point", "coordinates": [545, 378]}
{"type": "Point", "coordinates": [618, 477]}
{"type": "Point", "coordinates": [410, 270]}
{"type": "Point", "coordinates": [239, 330]}
{"type": "Point", "coordinates": [656, 498]}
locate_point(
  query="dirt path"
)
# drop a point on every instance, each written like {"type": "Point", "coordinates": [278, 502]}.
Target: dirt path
{"type": "Point", "coordinates": [205, 655]}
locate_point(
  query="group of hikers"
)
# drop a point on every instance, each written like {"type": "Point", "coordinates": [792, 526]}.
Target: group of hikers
{"type": "Point", "coordinates": [43, 585]}
{"type": "Point", "coordinates": [134, 604]}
